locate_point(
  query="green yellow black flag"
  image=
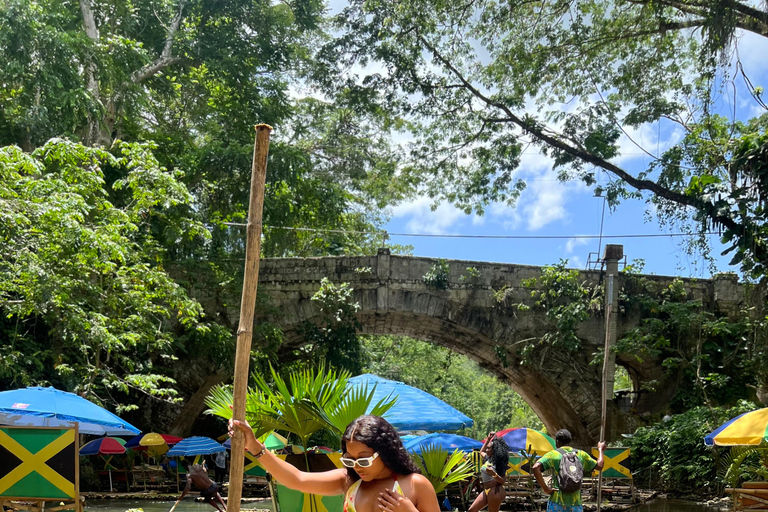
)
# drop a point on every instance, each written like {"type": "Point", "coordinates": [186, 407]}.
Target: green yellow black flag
{"type": "Point", "coordinates": [37, 463]}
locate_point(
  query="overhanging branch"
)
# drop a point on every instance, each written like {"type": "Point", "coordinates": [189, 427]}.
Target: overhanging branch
{"type": "Point", "coordinates": [166, 57]}
{"type": "Point", "coordinates": [553, 140]}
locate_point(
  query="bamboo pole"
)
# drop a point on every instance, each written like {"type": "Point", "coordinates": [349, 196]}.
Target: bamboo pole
{"type": "Point", "coordinates": [247, 306]}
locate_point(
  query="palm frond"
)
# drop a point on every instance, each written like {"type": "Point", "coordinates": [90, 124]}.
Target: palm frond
{"type": "Point", "coordinates": [744, 463]}
{"type": "Point", "coordinates": [442, 468]}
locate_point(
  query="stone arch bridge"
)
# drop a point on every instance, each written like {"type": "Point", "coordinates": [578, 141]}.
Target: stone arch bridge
{"type": "Point", "coordinates": [465, 317]}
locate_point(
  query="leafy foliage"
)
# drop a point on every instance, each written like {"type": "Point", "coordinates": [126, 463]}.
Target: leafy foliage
{"type": "Point", "coordinates": [744, 463]}
{"type": "Point", "coordinates": [334, 339]}
{"type": "Point", "coordinates": [437, 276]}
{"type": "Point", "coordinates": [307, 403]}
{"type": "Point", "coordinates": [453, 378]}
{"type": "Point", "coordinates": [715, 358]}
{"type": "Point", "coordinates": [566, 302]}
{"type": "Point", "coordinates": [478, 81]}
{"type": "Point", "coordinates": [442, 468]}
{"type": "Point", "coordinates": [671, 455]}
{"type": "Point", "coordinates": [80, 257]}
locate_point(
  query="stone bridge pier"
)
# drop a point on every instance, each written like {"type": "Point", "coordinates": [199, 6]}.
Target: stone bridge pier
{"type": "Point", "coordinates": [564, 389]}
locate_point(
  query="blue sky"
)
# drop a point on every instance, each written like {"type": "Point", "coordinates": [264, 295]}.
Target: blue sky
{"type": "Point", "coordinates": [551, 208]}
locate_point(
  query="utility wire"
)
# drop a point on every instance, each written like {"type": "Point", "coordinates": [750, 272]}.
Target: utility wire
{"type": "Point", "coordinates": [500, 237]}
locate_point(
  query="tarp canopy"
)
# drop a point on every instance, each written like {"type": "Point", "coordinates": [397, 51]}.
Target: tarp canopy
{"type": "Point", "coordinates": [415, 409]}
{"type": "Point", "coordinates": [750, 428]}
{"type": "Point", "coordinates": [448, 442]}
{"type": "Point", "coordinates": [50, 407]}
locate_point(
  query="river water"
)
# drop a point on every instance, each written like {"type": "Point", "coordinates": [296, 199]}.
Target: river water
{"type": "Point", "coordinates": [669, 505]}
{"type": "Point", "coordinates": [188, 505]}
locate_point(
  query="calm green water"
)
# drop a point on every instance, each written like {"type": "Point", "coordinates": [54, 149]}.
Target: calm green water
{"type": "Point", "coordinates": [665, 505]}
{"type": "Point", "coordinates": [188, 505]}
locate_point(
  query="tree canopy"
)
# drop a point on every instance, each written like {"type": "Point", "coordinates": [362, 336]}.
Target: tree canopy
{"type": "Point", "coordinates": [481, 81]}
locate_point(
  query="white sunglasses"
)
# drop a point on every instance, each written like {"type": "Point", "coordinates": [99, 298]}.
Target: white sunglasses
{"type": "Point", "coordinates": [363, 462]}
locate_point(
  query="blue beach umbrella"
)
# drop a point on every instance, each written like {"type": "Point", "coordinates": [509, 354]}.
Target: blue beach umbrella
{"type": "Point", "coordinates": [50, 407]}
{"type": "Point", "coordinates": [415, 409]}
{"type": "Point", "coordinates": [448, 442]}
{"type": "Point", "coordinates": [196, 445]}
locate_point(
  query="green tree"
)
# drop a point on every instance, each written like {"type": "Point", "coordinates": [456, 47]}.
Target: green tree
{"type": "Point", "coordinates": [186, 80]}
{"type": "Point", "coordinates": [452, 377]}
{"type": "Point", "coordinates": [478, 81]}
{"type": "Point", "coordinates": [91, 272]}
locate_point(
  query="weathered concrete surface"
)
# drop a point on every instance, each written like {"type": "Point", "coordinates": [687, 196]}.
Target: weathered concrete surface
{"type": "Point", "coordinates": [564, 389]}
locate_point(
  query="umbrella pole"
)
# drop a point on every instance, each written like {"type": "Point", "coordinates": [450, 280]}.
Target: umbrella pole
{"type": "Point", "coordinates": [110, 479]}
{"type": "Point", "coordinates": [247, 306]}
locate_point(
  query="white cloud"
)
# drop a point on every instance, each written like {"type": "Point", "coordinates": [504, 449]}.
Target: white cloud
{"type": "Point", "coordinates": [424, 220]}
{"type": "Point", "coordinates": [647, 137]}
{"type": "Point", "coordinates": [575, 262]}
{"type": "Point", "coordinates": [572, 243]}
{"type": "Point", "coordinates": [547, 206]}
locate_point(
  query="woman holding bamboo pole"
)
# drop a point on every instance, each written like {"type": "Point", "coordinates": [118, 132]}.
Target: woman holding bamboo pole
{"type": "Point", "coordinates": [378, 473]}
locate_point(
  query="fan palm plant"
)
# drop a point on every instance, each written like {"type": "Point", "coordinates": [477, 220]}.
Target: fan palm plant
{"type": "Point", "coordinates": [443, 468]}
{"type": "Point", "coordinates": [310, 400]}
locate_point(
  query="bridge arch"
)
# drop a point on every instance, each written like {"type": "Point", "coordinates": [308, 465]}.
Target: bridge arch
{"type": "Point", "coordinates": [563, 389]}
{"type": "Point", "coordinates": [465, 321]}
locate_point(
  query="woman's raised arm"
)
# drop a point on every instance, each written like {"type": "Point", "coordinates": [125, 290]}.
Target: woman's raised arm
{"type": "Point", "coordinates": [326, 483]}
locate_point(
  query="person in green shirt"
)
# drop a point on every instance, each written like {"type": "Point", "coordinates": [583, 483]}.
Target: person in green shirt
{"type": "Point", "coordinates": [564, 501]}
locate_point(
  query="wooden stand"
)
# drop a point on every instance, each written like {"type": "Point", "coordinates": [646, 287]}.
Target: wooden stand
{"type": "Point", "coordinates": [751, 496]}
{"type": "Point", "coordinates": [28, 505]}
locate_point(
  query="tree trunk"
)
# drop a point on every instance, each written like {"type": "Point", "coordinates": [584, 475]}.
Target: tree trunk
{"type": "Point", "coordinates": [195, 405]}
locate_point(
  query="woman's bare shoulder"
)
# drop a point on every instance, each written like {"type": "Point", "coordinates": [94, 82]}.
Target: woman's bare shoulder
{"type": "Point", "coordinates": [418, 482]}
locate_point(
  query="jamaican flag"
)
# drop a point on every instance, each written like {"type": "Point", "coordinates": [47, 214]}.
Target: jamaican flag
{"type": "Point", "coordinates": [38, 462]}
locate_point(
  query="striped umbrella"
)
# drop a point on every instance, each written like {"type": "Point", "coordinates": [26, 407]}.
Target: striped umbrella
{"type": "Point", "coordinates": [748, 429]}
{"type": "Point", "coordinates": [196, 445]}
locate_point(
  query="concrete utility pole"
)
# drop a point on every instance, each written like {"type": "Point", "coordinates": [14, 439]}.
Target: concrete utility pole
{"type": "Point", "coordinates": [613, 254]}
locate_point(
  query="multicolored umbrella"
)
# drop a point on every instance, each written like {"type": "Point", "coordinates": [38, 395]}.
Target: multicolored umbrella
{"type": "Point", "coordinates": [748, 429]}
{"type": "Point", "coordinates": [155, 444]}
{"type": "Point", "coordinates": [104, 446]}
{"type": "Point", "coordinates": [528, 440]}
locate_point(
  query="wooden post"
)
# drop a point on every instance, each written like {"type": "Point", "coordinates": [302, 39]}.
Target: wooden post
{"type": "Point", "coordinates": [247, 306]}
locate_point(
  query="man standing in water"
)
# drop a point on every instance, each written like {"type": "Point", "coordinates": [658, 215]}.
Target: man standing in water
{"type": "Point", "coordinates": [198, 476]}
{"type": "Point", "coordinates": [560, 501]}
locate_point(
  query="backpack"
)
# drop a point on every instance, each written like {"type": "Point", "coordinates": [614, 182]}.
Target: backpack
{"type": "Point", "coordinates": [571, 471]}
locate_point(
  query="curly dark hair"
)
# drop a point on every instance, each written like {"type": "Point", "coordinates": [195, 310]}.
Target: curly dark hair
{"type": "Point", "coordinates": [377, 434]}
{"type": "Point", "coordinates": [499, 455]}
